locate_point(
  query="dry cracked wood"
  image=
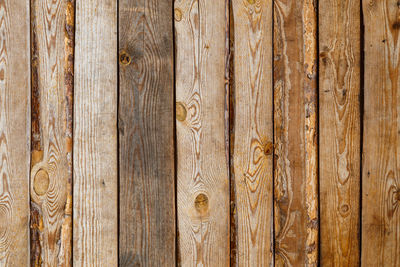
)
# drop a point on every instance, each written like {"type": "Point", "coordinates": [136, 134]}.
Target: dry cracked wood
{"type": "Point", "coordinates": [295, 123]}
{"type": "Point", "coordinates": [14, 133]}
{"type": "Point", "coordinates": [146, 134]}
{"type": "Point", "coordinates": [95, 211]}
{"type": "Point", "coordinates": [202, 165]}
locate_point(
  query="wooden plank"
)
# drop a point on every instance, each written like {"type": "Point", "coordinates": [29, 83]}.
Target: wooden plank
{"type": "Point", "coordinates": [146, 133]}
{"type": "Point", "coordinates": [51, 135]}
{"type": "Point", "coordinates": [14, 133]}
{"type": "Point", "coordinates": [253, 136]}
{"type": "Point", "coordinates": [295, 122]}
{"type": "Point", "coordinates": [202, 165]}
{"type": "Point", "coordinates": [95, 209]}
{"type": "Point", "coordinates": [339, 106]}
{"type": "Point", "coordinates": [381, 135]}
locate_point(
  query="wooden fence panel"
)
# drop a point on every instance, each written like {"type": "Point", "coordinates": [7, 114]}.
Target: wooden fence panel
{"type": "Point", "coordinates": [295, 122]}
{"type": "Point", "coordinates": [14, 133]}
{"type": "Point", "coordinates": [202, 165]}
{"type": "Point", "coordinates": [146, 133]}
{"type": "Point", "coordinates": [253, 136]}
{"type": "Point", "coordinates": [381, 135]}
{"type": "Point", "coordinates": [339, 105]}
{"type": "Point", "coordinates": [95, 208]}
{"type": "Point", "coordinates": [51, 141]}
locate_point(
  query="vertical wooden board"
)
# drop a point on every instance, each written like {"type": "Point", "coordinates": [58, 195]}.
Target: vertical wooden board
{"type": "Point", "coordinates": [51, 144]}
{"type": "Point", "coordinates": [381, 135]}
{"type": "Point", "coordinates": [146, 133]}
{"type": "Point", "coordinates": [295, 134]}
{"type": "Point", "coordinates": [95, 211]}
{"type": "Point", "coordinates": [253, 126]}
{"type": "Point", "coordinates": [339, 106]}
{"type": "Point", "coordinates": [14, 133]}
{"type": "Point", "coordinates": [202, 165]}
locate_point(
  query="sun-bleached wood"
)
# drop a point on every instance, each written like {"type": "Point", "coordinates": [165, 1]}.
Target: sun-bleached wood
{"type": "Point", "coordinates": [381, 135]}
{"type": "Point", "coordinates": [95, 211]}
{"type": "Point", "coordinates": [339, 106]}
{"type": "Point", "coordinates": [146, 133]}
{"type": "Point", "coordinates": [295, 133]}
{"type": "Point", "coordinates": [14, 133]}
{"type": "Point", "coordinates": [202, 165]}
{"type": "Point", "coordinates": [51, 144]}
{"type": "Point", "coordinates": [253, 125]}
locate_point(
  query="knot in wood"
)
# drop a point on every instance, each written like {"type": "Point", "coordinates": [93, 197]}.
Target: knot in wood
{"type": "Point", "coordinates": [181, 112]}
{"type": "Point", "coordinates": [124, 58]}
{"type": "Point", "coordinates": [268, 148]}
{"type": "Point", "coordinates": [177, 14]}
{"type": "Point", "coordinates": [201, 203]}
{"type": "Point", "coordinates": [41, 182]}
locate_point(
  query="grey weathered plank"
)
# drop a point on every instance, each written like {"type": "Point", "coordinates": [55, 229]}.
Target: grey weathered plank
{"type": "Point", "coordinates": [146, 133]}
{"type": "Point", "coordinates": [95, 211]}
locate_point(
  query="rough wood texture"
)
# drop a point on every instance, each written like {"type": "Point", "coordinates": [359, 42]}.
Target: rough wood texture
{"type": "Point", "coordinates": [339, 105]}
{"type": "Point", "coordinates": [202, 166]}
{"type": "Point", "coordinates": [381, 140]}
{"type": "Point", "coordinates": [253, 139]}
{"type": "Point", "coordinates": [146, 133]}
{"type": "Point", "coordinates": [95, 209]}
{"type": "Point", "coordinates": [51, 138]}
{"type": "Point", "coordinates": [295, 108]}
{"type": "Point", "coordinates": [14, 133]}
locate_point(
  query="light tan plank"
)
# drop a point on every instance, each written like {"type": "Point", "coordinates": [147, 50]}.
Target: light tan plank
{"type": "Point", "coordinates": [95, 234]}
{"type": "Point", "coordinates": [146, 133]}
{"type": "Point", "coordinates": [202, 169]}
{"type": "Point", "coordinates": [14, 133]}
{"type": "Point", "coordinates": [253, 137]}
{"type": "Point", "coordinates": [51, 143]}
{"type": "Point", "coordinates": [381, 140]}
{"type": "Point", "coordinates": [339, 106]}
{"type": "Point", "coordinates": [295, 123]}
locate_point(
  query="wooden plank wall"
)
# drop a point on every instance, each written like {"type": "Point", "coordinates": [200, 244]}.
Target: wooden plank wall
{"type": "Point", "coordinates": [199, 133]}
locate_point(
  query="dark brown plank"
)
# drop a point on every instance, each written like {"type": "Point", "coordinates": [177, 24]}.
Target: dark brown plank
{"type": "Point", "coordinates": [146, 142]}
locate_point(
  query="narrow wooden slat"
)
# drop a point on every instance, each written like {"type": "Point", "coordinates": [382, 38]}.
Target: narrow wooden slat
{"type": "Point", "coordinates": [51, 143]}
{"type": "Point", "coordinates": [253, 136]}
{"type": "Point", "coordinates": [202, 169]}
{"type": "Point", "coordinates": [381, 135]}
{"type": "Point", "coordinates": [339, 105]}
{"type": "Point", "coordinates": [95, 212]}
{"type": "Point", "coordinates": [146, 133]}
{"type": "Point", "coordinates": [14, 133]}
{"type": "Point", "coordinates": [295, 118]}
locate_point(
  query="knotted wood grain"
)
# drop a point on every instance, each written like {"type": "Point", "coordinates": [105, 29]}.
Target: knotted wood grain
{"type": "Point", "coordinates": [253, 132]}
{"type": "Point", "coordinates": [339, 106]}
{"type": "Point", "coordinates": [51, 169]}
{"type": "Point", "coordinates": [202, 165]}
{"type": "Point", "coordinates": [146, 133]}
{"type": "Point", "coordinates": [14, 133]}
{"type": "Point", "coordinates": [295, 133]}
{"type": "Point", "coordinates": [381, 135]}
{"type": "Point", "coordinates": [95, 209]}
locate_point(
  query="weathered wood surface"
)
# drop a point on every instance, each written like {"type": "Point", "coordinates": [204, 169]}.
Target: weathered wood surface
{"type": "Point", "coordinates": [295, 122]}
{"type": "Point", "coordinates": [339, 106]}
{"type": "Point", "coordinates": [14, 133]}
{"type": "Point", "coordinates": [51, 143]}
{"type": "Point", "coordinates": [202, 165]}
{"type": "Point", "coordinates": [146, 133]}
{"type": "Point", "coordinates": [381, 135]}
{"type": "Point", "coordinates": [253, 138]}
{"type": "Point", "coordinates": [95, 211]}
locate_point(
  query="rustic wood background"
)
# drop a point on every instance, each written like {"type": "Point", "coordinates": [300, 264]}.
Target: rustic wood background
{"type": "Point", "coordinates": [199, 133]}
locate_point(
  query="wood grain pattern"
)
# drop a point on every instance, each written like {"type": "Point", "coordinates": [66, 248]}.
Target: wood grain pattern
{"type": "Point", "coordinates": [95, 209]}
{"type": "Point", "coordinates": [381, 135]}
{"type": "Point", "coordinates": [202, 166]}
{"type": "Point", "coordinates": [51, 143]}
{"type": "Point", "coordinates": [146, 133]}
{"type": "Point", "coordinates": [253, 137]}
{"type": "Point", "coordinates": [295, 122]}
{"type": "Point", "coordinates": [14, 133]}
{"type": "Point", "coordinates": [339, 106]}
